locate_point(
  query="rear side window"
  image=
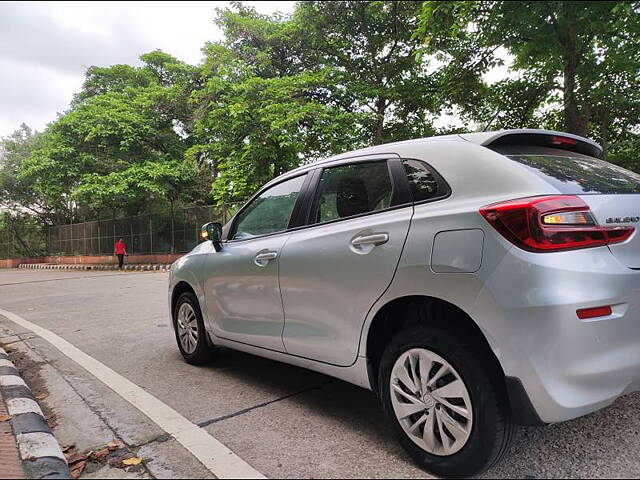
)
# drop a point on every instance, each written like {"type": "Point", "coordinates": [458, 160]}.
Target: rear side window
{"type": "Point", "coordinates": [574, 173]}
{"type": "Point", "coordinates": [425, 184]}
{"type": "Point", "coordinates": [355, 189]}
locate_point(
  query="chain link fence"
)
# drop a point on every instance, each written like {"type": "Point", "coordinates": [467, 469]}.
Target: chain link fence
{"type": "Point", "coordinates": [143, 234]}
{"type": "Point", "coordinates": [6, 242]}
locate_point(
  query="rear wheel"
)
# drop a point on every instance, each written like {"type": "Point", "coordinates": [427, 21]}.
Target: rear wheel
{"type": "Point", "coordinates": [444, 404]}
{"type": "Point", "coordinates": [190, 332]}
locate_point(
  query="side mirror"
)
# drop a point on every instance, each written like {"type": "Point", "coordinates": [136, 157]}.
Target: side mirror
{"type": "Point", "coordinates": [213, 231]}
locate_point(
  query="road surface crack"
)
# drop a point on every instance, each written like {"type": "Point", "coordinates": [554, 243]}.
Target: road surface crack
{"type": "Point", "coordinates": [206, 423]}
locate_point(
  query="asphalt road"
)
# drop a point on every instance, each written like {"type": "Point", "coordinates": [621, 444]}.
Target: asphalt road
{"type": "Point", "coordinates": [282, 420]}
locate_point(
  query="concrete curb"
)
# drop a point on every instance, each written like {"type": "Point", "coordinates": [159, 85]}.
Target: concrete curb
{"type": "Point", "coordinates": [136, 267]}
{"type": "Point", "coordinates": [40, 452]}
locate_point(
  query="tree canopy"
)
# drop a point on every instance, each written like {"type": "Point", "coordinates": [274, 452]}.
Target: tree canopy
{"type": "Point", "coordinates": [576, 63]}
{"type": "Point", "coordinates": [281, 90]}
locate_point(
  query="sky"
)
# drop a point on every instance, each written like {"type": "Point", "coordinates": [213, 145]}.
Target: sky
{"type": "Point", "coordinates": [45, 48]}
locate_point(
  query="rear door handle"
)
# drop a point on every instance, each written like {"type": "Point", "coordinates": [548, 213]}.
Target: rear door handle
{"type": "Point", "coordinates": [375, 239]}
{"type": "Point", "coordinates": [263, 259]}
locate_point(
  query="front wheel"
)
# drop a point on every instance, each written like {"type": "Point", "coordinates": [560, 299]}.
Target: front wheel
{"type": "Point", "coordinates": [443, 402]}
{"type": "Point", "coordinates": [190, 332]}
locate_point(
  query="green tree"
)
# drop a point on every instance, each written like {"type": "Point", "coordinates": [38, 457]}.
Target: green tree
{"type": "Point", "coordinates": [116, 78]}
{"type": "Point", "coordinates": [104, 134]}
{"type": "Point", "coordinates": [366, 49]}
{"type": "Point", "coordinates": [17, 193]}
{"type": "Point", "coordinates": [21, 235]}
{"type": "Point", "coordinates": [122, 118]}
{"type": "Point", "coordinates": [371, 45]}
{"type": "Point", "coordinates": [22, 217]}
{"type": "Point", "coordinates": [251, 129]}
{"type": "Point", "coordinates": [573, 54]}
{"type": "Point", "coordinates": [136, 187]}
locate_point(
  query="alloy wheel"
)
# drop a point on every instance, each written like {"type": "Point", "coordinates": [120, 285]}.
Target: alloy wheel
{"type": "Point", "coordinates": [431, 402]}
{"type": "Point", "coordinates": [187, 324]}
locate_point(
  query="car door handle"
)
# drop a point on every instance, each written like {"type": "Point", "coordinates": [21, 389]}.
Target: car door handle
{"type": "Point", "coordinates": [375, 239]}
{"type": "Point", "coordinates": [263, 259]}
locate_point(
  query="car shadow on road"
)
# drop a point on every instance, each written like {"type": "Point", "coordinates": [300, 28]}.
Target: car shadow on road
{"type": "Point", "coordinates": [603, 444]}
{"type": "Point", "coordinates": [297, 384]}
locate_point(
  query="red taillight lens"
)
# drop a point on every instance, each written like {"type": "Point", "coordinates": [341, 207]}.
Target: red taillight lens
{"type": "Point", "coordinates": [551, 224]}
{"type": "Point", "coordinates": [585, 313]}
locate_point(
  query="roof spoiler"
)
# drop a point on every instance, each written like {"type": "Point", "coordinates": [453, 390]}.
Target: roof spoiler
{"type": "Point", "coordinates": [546, 138]}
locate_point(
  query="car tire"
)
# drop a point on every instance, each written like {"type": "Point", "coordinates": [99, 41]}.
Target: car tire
{"type": "Point", "coordinates": [491, 430]}
{"type": "Point", "coordinates": [188, 326]}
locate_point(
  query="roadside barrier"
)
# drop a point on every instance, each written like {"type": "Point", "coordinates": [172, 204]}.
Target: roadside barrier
{"type": "Point", "coordinates": [54, 266]}
{"type": "Point", "coordinates": [40, 452]}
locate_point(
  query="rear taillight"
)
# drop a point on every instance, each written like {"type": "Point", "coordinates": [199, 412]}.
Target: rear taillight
{"type": "Point", "coordinates": [551, 224]}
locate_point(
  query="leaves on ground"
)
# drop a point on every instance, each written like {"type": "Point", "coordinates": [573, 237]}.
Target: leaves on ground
{"type": "Point", "coordinates": [115, 453]}
{"type": "Point", "coordinates": [77, 469]}
{"type": "Point", "coordinates": [99, 455]}
{"type": "Point", "coordinates": [76, 457]}
{"type": "Point", "coordinates": [5, 418]}
{"type": "Point", "coordinates": [76, 460]}
{"type": "Point", "coordinates": [114, 444]}
{"type": "Point", "coordinates": [41, 396]}
{"type": "Point", "coordinates": [72, 454]}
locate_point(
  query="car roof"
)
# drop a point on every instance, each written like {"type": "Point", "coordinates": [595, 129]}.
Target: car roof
{"type": "Point", "coordinates": [478, 138]}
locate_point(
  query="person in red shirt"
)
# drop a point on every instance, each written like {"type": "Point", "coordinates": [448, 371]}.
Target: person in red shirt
{"type": "Point", "coordinates": [120, 249]}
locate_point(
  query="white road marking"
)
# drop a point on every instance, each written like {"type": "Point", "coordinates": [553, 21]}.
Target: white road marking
{"type": "Point", "coordinates": [213, 454]}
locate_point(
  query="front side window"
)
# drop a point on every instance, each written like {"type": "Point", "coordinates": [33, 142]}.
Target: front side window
{"type": "Point", "coordinates": [355, 189]}
{"type": "Point", "coordinates": [269, 212]}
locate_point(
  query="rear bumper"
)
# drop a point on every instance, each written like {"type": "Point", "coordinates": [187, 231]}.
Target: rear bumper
{"type": "Point", "coordinates": [567, 367]}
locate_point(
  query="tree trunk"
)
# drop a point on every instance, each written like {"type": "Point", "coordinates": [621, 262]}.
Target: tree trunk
{"type": "Point", "coordinates": [173, 231]}
{"type": "Point", "coordinates": [604, 133]}
{"type": "Point", "coordinates": [576, 121]}
{"type": "Point", "coordinates": [573, 122]}
{"type": "Point", "coordinates": [378, 130]}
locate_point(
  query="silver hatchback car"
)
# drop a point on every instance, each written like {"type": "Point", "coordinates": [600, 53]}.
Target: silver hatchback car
{"type": "Point", "coordinates": [474, 282]}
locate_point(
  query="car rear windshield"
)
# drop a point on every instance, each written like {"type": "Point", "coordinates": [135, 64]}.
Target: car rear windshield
{"type": "Point", "coordinates": [574, 173]}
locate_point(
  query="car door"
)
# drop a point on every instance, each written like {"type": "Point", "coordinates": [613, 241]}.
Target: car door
{"type": "Point", "coordinates": [241, 280]}
{"type": "Point", "coordinates": [333, 270]}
